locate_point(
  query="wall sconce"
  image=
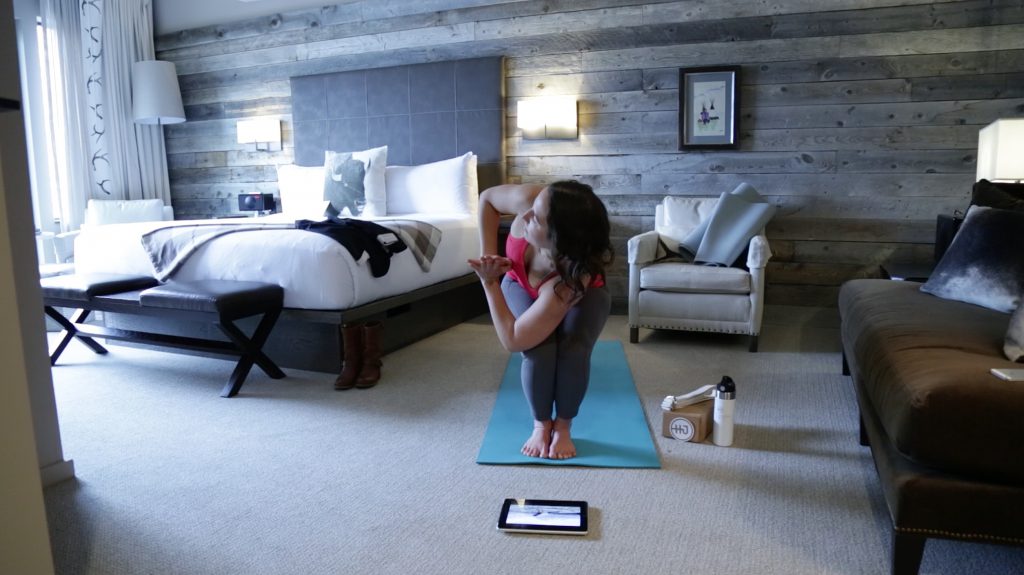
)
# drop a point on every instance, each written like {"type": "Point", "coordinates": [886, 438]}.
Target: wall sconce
{"type": "Point", "coordinates": [264, 133]}
{"type": "Point", "coordinates": [1001, 151]}
{"type": "Point", "coordinates": [547, 118]}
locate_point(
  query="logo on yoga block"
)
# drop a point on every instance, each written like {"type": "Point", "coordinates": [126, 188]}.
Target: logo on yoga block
{"type": "Point", "coordinates": [681, 428]}
{"type": "Point", "coordinates": [688, 423]}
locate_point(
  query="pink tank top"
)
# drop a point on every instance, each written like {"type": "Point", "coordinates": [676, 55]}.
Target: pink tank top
{"type": "Point", "coordinates": [515, 250]}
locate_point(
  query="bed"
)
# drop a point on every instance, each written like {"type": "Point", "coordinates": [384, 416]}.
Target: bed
{"type": "Point", "coordinates": [441, 128]}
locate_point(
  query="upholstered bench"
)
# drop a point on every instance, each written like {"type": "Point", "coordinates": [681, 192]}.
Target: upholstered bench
{"type": "Point", "coordinates": [221, 302]}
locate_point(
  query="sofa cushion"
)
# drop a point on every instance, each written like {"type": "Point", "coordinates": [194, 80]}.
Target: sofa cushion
{"type": "Point", "coordinates": [984, 264]}
{"type": "Point", "coordinates": [1013, 345]}
{"type": "Point", "coordinates": [690, 278]}
{"type": "Point", "coordinates": [924, 364]}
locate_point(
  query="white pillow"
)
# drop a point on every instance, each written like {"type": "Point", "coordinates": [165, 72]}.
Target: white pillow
{"type": "Point", "coordinates": [302, 191]}
{"type": "Point", "coordinates": [99, 212]}
{"type": "Point", "coordinates": [447, 186]}
{"type": "Point", "coordinates": [374, 190]}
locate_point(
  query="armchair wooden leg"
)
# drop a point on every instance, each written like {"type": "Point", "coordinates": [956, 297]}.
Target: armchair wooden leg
{"type": "Point", "coordinates": [634, 334]}
{"type": "Point", "coordinates": [907, 551]}
{"type": "Point", "coordinates": [753, 344]}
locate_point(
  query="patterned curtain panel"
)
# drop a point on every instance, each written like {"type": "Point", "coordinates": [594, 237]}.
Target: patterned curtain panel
{"type": "Point", "coordinates": [98, 149]}
{"type": "Point", "coordinates": [92, 64]}
{"type": "Point", "coordinates": [138, 159]}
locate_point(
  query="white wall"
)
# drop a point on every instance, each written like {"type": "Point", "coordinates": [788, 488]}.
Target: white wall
{"type": "Point", "coordinates": [29, 434]}
{"type": "Point", "coordinates": [24, 540]}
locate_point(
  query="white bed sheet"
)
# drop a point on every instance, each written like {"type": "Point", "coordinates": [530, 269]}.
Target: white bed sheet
{"type": "Point", "coordinates": [315, 271]}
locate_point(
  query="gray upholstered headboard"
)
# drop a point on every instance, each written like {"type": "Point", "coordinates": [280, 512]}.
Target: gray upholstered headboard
{"type": "Point", "coordinates": [422, 112]}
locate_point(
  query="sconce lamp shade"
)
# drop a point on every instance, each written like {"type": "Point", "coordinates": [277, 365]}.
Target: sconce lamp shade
{"type": "Point", "coordinates": [264, 133]}
{"type": "Point", "coordinates": [1001, 150]}
{"type": "Point", "coordinates": [156, 98]}
{"type": "Point", "coordinates": [547, 118]}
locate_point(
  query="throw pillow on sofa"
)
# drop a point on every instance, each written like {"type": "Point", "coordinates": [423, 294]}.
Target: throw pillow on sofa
{"type": "Point", "coordinates": [998, 195]}
{"type": "Point", "coordinates": [1013, 346]}
{"type": "Point", "coordinates": [984, 265]}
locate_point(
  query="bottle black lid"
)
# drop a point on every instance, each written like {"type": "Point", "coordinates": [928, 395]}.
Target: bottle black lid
{"type": "Point", "coordinates": [726, 388]}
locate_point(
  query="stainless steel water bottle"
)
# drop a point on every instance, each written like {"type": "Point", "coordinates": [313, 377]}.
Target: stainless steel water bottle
{"type": "Point", "coordinates": [724, 412]}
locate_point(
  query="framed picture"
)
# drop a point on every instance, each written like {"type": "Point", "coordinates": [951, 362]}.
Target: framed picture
{"type": "Point", "coordinates": [708, 101]}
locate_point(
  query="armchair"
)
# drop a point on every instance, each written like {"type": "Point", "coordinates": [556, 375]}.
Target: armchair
{"type": "Point", "coordinates": [102, 212]}
{"type": "Point", "coordinates": [671, 294]}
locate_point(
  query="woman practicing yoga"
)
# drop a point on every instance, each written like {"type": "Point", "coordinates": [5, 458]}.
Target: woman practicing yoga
{"type": "Point", "coordinates": [547, 298]}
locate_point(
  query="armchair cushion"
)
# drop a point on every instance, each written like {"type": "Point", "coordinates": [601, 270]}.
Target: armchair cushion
{"type": "Point", "coordinates": [99, 212]}
{"type": "Point", "coordinates": [727, 313]}
{"type": "Point", "coordinates": [677, 217]}
{"type": "Point", "coordinates": [681, 277]}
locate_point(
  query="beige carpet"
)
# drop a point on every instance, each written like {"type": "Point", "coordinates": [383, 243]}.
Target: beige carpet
{"type": "Point", "coordinates": [293, 477]}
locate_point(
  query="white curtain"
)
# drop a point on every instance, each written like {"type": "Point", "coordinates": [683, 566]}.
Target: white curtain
{"type": "Point", "coordinates": [67, 128]}
{"type": "Point", "coordinates": [138, 158]}
{"type": "Point", "coordinates": [97, 149]}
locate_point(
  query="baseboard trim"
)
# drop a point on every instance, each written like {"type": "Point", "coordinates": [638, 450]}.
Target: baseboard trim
{"type": "Point", "coordinates": [57, 472]}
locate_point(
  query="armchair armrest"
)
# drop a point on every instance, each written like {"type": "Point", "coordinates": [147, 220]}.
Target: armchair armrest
{"type": "Point", "coordinates": [64, 246]}
{"type": "Point", "coordinates": [759, 252]}
{"type": "Point", "coordinates": [643, 248]}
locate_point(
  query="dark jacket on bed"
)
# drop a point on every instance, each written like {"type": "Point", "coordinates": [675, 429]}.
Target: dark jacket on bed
{"type": "Point", "coordinates": [358, 237]}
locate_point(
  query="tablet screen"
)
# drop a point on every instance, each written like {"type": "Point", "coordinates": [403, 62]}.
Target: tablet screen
{"type": "Point", "coordinates": [544, 516]}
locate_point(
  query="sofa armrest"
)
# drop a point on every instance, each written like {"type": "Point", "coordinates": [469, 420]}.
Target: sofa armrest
{"type": "Point", "coordinates": [643, 248]}
{"type": "Point", "coordinates": [759, 252]}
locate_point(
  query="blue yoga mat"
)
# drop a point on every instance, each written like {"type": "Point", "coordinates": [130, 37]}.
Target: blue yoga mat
{"type": "Point", "coordinates": [610, 430]}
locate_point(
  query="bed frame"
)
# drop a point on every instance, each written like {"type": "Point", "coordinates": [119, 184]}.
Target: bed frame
{"type": "Point", "coordinates": [423, 113]}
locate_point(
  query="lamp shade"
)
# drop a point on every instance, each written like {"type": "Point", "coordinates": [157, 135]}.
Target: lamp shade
{"type": "Point", "coordinates": [548, 117]}
{"type": "Point", "coordinates": [1001, 150]}
{"type": "Point", "coordinates": [156, 98]}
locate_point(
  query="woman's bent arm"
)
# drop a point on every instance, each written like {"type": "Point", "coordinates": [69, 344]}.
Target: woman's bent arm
{"type": "Point", "coordinates": [503, 199]}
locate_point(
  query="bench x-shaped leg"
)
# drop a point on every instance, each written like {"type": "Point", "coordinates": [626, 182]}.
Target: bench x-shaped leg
{"type": "Point", "coordinates": [71, 332]}
{"type": "Point", "coordinates": [252, 352]}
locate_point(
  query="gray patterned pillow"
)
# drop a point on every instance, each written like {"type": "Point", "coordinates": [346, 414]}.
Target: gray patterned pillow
{"type": "Point", "coordinates": [985, 263]}
{"type": "Point", "coordinates": [1013, 346]}
{"type": "Point", "coordinates": [343, 183]}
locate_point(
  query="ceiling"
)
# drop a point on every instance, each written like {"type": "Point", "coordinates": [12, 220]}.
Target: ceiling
{"type": "Point", "coordinates": [174, 15]}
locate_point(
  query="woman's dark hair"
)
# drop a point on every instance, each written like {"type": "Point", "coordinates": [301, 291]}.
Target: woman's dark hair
{"type": "Point", "coordinates": [579, 229]}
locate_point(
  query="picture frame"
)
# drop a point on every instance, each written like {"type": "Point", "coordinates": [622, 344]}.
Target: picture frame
{"type": "Point", "coordinates": [709, 98]}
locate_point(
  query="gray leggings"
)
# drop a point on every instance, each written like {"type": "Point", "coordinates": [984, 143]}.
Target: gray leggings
{"type": "Point", "coordinates": [556, 372]}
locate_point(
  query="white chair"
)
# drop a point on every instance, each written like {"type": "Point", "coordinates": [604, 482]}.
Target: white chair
{"type": "Point", "coordinates": [102, 212]}
{"type": "Point", "coordinates": [98, 213]}
{"type": "Point", "coordinates": [685, 296]}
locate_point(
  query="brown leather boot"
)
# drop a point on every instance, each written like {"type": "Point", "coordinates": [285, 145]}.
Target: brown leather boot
{"type": "Point", "coordinates": [352, 347]}
{"type": "Point", "coordinates": [369, 374]}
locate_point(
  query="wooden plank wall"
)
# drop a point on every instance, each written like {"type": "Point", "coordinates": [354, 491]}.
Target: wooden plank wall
{"type": "Point", "coordinates": [859, 118]}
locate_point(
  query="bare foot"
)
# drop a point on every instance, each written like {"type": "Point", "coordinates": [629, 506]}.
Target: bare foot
{"type": "Point", "coordinates": [562, 446]}
{"type": "Point", "coordinates": [540, 439]}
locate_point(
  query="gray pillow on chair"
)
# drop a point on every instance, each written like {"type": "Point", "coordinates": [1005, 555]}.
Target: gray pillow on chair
{"type": "Point", "coordinates": [985, 263]}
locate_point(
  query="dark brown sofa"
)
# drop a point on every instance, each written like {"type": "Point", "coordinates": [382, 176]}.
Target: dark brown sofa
{"type": "Point", "coordinates": [947, 437]}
